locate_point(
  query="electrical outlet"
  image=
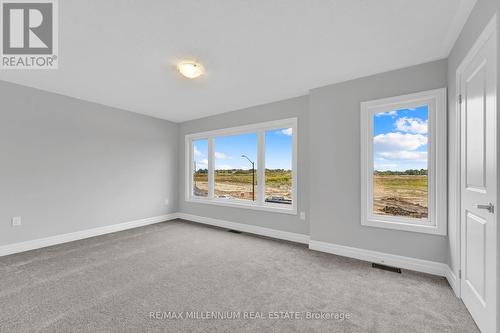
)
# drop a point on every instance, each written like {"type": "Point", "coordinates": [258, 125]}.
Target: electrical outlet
{"type": "Point", "coordinates": [16, 221]}
{"type": "Point", "coordinates": [166, 202]}
{"type": "Point", "coordinates": [303, 215]}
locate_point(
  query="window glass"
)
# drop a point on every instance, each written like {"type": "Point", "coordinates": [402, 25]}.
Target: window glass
{"type": "Point", "coordinates": [400, 164]}
{"type": "Point", "coordinates": [235, 169]}
{"type": "Point", "coordinates": [200, 168]}
{"type": "Point", "coordinates": [278, 160]}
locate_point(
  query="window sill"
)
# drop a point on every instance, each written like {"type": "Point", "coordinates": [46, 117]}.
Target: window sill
{"type": "Point", "coordinates": [404, 226]}
{"type": "Point", "coordinates": [239, 204]}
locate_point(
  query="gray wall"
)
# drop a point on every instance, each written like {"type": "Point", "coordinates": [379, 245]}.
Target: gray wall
{"type": "Point", "coordinates": [295, 107]}
{"type": "Point", "coordinates": [329, 139]}
{"type": "Point", "coordinates": [68, 165]}
{"type": "Point", "coordinates": [334, 141]}
{"type": "Point", "coordinates": [478, 19]}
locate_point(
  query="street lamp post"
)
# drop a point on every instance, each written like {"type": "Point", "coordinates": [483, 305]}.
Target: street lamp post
{"type": "Point", "coordinates": [253, 176]}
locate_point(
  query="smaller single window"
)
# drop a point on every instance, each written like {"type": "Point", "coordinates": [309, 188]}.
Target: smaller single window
{"type": "Point", "coordinates": [403, 172]}
{"type": "Point", "coordinates": [400, 163]}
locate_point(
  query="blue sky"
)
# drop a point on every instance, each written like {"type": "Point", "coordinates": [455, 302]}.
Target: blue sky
{"type": "Point", "coordinates": [279, 149]}
{"type": "Point", "coordinates": [228, 151]}
{"type": "Point", "coordinates": [400, 139]}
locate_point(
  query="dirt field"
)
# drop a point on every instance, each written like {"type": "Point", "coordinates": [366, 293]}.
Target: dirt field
{"type": "Point", "coordinates": [238, 184]}
{"type": "Point", "coordinates": [400, 195]}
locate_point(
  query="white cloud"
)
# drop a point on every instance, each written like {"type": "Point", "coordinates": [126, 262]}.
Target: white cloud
{"type": "Point", "coordinates": [400, 160]}
{"type": "Point", "coordinates": [388, 113]}
{"type": "Point", "coordinates": [197, 152]}
{"type": "Point", "coordinates": [202, 164]}
{"type": "Point", "coordinates": [220, 156]}
{"type": "Point", "coordinates": [232, 167]}
{"type": "Point", "coordinates": [385, 166]}
{"type": "Point", "coordinates": [412, 125]}
{"type": "Point", "coordinates": [287, 131]}
{"type": "Point", "coordinates": [398, 141]}
{"type": "Point", "coordinates": [224, 167]}
{"type": "Point", "coordinates": [415, 156]}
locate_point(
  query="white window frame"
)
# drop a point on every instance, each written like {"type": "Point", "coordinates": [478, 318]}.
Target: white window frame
{"type": "Point", "coordinates": [436, 223]}
{"type": "Point", "coordinates": [259, 203]}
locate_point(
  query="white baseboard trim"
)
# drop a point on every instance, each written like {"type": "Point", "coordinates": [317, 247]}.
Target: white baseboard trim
{"type": "Point", "coordinates": [414, 264]}
{"type": "Point", "coordinates": [453, 281]}
{"type": "Point", "coordinates": [419, 265]}
{"type": "Point", "coordinates": [252, 229]}
{"type": "Point", "coordinates": [73, 236]}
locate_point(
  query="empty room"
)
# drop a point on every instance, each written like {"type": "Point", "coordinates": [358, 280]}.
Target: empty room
{"type": "Point", "coordinates": [249, 166]}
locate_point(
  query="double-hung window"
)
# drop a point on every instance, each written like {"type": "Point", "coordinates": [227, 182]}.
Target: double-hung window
{"type": "Point", "coordinates": [253, 166]}
{"type": "Point", "coordinates": [403, 162]}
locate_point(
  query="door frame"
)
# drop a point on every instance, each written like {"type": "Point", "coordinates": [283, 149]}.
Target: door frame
{"type": "Point", "coordinates": [455, 167]}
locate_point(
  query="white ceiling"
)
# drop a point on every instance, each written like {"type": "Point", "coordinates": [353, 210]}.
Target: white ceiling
{"type": "Point", "coordinates": [123, 53]}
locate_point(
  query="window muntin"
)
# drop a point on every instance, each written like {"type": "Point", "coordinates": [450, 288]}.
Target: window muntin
{"type": "Point", "coordinates": [200, 168]}
{"type": "Point", "coordinates": [400, 163]}
{"type": "Point", "coordinates": [235, 167]}
{"type": "Point", "coordinates": [412, 136]}
{"type": "Point", "coordinates": [278, 174]}
{"type": "Point", "coordinates": [230, 153]}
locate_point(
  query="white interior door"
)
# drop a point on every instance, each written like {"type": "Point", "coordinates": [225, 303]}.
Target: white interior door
{"type": "Point", "coordinates": [479, 182]}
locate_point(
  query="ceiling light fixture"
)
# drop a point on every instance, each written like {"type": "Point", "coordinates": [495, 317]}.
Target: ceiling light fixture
{"type": "Point", "coordinates": [190, 69]}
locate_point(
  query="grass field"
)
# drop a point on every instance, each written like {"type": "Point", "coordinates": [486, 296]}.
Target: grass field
{"type": "Point", "coordinates": [396, 195]}
{"type": "Point", "coordinates": [400, 195]}
{"type": "Point", "coordinates": [238, 183]}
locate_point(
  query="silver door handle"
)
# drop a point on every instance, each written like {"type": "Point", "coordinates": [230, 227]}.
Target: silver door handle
{"type": "Point", "coordinates": [489, 207]}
